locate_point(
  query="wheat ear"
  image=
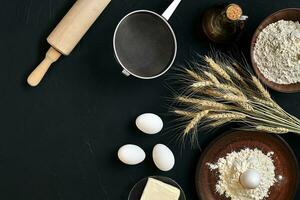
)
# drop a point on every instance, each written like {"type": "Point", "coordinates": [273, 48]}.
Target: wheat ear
{"type": "Point", "coordinates": [187, 100]}
{"type": "Point", "coordinates": [230, 88]}
{"type": "Point", "coordinates": [235, 74]}
{"type": "Point", "coordinates": [235, 98]}
{"type": "Point", "coordinates": [247, 106]}
{"type": "Point", "coordinates": [202, 84]}
{"type": "Point", "coordinates": [225, 87]}
{"type": "Point", "coordinates": [220, 122]}
{"type": "Point", "coordinates": [193, 123]}
{"type": "Point", "coordinates": [212, 93]}
{"type": "Point", "coordinates": [265, 102]}
{"type": "Point", "coordinates": [194, 75]}
{"type": "Point", "coordinates": [217, 68]}
{"type": "Point", "coordinates": [212, 77]}
{"type": "Point", "coordinates": [204, 103]}
{"type": "Point", "coordinates": [260, 87]}
{"type": "Point", "coordinates": [240, 100]}
{"type": "Point", "coordinates": [185, 113]}
{"type": "Point", "coordinates": [277, 130]}
{"type": "Point", "coordinates": [227, 116]}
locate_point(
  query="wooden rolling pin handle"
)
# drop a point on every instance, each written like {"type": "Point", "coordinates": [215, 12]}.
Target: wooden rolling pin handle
{"type": "Point", "coordinates": [37, 75]}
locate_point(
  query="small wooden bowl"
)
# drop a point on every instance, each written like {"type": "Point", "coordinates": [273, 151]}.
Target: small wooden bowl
{"type": "Point", "coordinates": [292, 14]}
{"type": "Point", "coordinates": [284, 160]}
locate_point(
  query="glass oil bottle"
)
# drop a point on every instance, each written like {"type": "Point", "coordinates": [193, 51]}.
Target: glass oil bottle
{"type": "Point", "coordinates": [223, 23]}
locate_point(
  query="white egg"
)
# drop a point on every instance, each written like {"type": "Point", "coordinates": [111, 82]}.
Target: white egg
{"type": "Point", "coordinates": [131, 154]}
{"type": "Point", "coordinates": [250, 179]}
{"type": "Point", "coordinates": [149, 123]}
{"type": "Point", "coordinates": [163, 157]}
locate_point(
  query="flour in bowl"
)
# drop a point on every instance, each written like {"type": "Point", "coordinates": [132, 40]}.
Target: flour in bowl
{"type": "Point", "coordinates": [230, 168]}
{"type": "Point", "coordinates": [277, 52]}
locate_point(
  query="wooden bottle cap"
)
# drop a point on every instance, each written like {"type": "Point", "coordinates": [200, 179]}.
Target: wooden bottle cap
{"type": "Point", "coordinates": [233, 12]}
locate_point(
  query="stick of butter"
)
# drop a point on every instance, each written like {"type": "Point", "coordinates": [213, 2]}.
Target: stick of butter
{"type": "Point", "coordinates": [159, 190]}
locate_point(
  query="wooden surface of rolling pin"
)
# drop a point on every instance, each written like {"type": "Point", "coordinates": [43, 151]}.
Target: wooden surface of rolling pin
{"type": "Point", "coordinates": [68, 33]}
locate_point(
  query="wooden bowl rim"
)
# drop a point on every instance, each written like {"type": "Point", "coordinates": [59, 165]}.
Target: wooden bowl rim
{"type": "Point", "coordinates": [285, 88]}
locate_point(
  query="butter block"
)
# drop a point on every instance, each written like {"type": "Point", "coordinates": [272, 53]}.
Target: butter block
{"type": "Point", "coordinates": [157, 190]}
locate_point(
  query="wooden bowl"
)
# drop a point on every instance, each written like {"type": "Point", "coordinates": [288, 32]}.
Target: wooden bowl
{"type": "Point", "coordinates": [292, 14]}
{"type": "Point", "coordinates": [284, 160]}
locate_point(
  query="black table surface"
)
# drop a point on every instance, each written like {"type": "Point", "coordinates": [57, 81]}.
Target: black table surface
{"type": "Point", "coordinates": [60, 139]}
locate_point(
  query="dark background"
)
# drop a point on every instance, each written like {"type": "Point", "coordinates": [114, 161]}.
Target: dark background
{"type": "Point", "coordinates": [60, 140]}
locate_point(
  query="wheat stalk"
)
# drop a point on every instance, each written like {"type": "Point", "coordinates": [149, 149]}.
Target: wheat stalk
{"type": "Point", "coordinates": [223, 93]}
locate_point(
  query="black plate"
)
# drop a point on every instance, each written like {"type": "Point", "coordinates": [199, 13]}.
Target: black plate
{"type": "Point", "coordinates": [137, 190]}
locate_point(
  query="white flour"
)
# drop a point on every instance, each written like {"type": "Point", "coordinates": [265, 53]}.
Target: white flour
{"type": "Point", "coordinates": [234, 164]}
{"type": "Point", "coordinates": [277, 52]}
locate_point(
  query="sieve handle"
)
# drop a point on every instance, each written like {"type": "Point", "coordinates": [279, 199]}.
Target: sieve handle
{"type": "Point", "coordinates": [125, 72]}
{"type": "Point", "coordinates": [170, 10]}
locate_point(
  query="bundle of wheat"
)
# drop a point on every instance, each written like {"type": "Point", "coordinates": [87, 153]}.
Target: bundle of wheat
{"type": "Point", "coordinates": [219, 90]}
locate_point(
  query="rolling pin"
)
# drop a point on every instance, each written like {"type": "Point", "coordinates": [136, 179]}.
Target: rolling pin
{"type": "Point", "coordinates": [68, 33]}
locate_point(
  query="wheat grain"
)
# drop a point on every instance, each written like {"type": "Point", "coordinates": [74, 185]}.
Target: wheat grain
{"type": "Point", "coordinates": [247, 106]}
{"type": "Point", "coordinates": [194, 75]}
{"type": "Point", "coordinates": [277, 130]}
{"type": "Point", "coordinates": [227, 116]}
{"type": "Point", "coordinates": [202, 84]}
{"type": "Point", "coordinates": [212, 93]}
{"type": "Point", "coordinates": [236, 65]}
{"type": "Point", "coordinates": [265, 102]}
{"type": "Point", "coordinates": [193, 123]}
{"type": "Point", "coordinates": [234, 98]}
{"type": "Point", "coordinates": [188, 100]}
{"type": "Point", "coordinates": [207, 104]}
{"type": "Point", "coordinates": [225, 87]}
{"type": "Point", "coordinates": [217, 68]}
{"type": "Point", "coordinates": [185, 113]}
{"type": "Point", "coordinates": [230, 89]}
{"type": "Point", "coordinates": [235, 74]}
{"type": "Point", "coordinates": [212, 77]}
{"type": "Point", "coordinates": [240, 100]}
{"type": "Point", "coordinates": [220, 122]}
{"type": "Point", "coordinates": [213, 105]}
{"type": "Point", "coordinates": [261, 88]}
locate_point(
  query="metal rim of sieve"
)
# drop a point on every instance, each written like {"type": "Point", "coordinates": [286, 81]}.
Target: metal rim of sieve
{"type": "Point", "coordinates": [174, 51]}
